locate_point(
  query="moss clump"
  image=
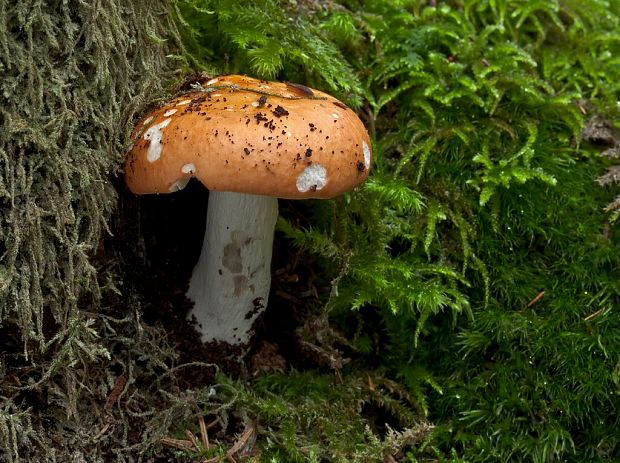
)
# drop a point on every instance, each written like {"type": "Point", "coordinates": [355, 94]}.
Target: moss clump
{"type": "Point", "coordinates": [315, 416]}
{"type": "Point", "coordinates": [73, 76]}
{"type": "Point", "coordinates": [482, 197]}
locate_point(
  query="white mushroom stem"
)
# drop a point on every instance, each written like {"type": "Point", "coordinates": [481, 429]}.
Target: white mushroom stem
{"type": "Point", "coordinates": [230, 283]}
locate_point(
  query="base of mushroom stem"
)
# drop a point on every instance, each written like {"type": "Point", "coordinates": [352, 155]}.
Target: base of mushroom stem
{"type": "Point", "coordinates": [230, 283]}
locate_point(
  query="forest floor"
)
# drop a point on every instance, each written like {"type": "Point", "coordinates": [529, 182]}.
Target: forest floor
{"type": "Point", "coordinates": [285, 338]}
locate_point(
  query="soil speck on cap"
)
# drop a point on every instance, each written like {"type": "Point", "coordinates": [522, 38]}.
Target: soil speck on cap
{"type": "Point", "coordinates": [260, 117]}
{"type": "Point", "coordinates": [279, 111]}
{"type": "Point", "coordinates": [197, 101]}
{"type": "Point", "coordinates": [308, 153]}
{"type": "Point", "coordinates": [340, 105]}
{"type": "Point", "coordinates": [246, 151]}
{"type": "Point", "coordinates": [261, 101]}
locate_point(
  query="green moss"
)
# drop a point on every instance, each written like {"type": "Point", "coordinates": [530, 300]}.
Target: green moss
{"type": "Point", "coordinates": [482, 196]}
{"type": "Point", "coordinates": [321, 417]}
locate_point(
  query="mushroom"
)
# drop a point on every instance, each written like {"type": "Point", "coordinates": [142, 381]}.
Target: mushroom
{"type": "Point", "coordinates": [249, 142]}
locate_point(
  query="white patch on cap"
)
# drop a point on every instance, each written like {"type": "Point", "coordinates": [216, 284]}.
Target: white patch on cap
{"type": "Point", "coordinates": [170, 112]}
{"type": "Point", "coordinates": [212, 81]}
{"type": "Point", "coordinates": [154, 134]}
{"type": "Point", "coordinates": [288, 134]}
{"type": "Point", "coordinates": [255, 104]}
{"type": "Point", "coordinates": [335, 116]}
{"type": "Point", "coordinates": [188, 169]}
{"type": "Point", "coordinates": [229, 108]}
{"type": "Point", "coordinates": [148, 120]}
{"type": "Point", "coordinates": [366, 151]}
{"type": "Point", "coordinates": [181, 103]}
{"type": "Point", "coordinates": [217, 94]}
{"type": "Point", "coordinates": [314, 177]}
{"type": "Point", "coordinates": [179, 185]}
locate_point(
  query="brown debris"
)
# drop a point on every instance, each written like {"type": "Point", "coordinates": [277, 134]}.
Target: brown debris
{"type": "Point", "coordinates": [242, 447]}
{"type": "Point", "coordinates": [601, 132]}
{"type": "Point", "coordinates": [279, 111]}
{"type": "Point", "coordinates": [119, 385]}
{"type": "Point", "coordinates": [300, 89]}
{"type": "Point", "coordinates": [267, 360]}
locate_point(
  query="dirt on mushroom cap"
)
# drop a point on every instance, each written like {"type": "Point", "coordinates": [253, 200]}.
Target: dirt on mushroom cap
{"type": "Point", "coordinates": [250, 136]}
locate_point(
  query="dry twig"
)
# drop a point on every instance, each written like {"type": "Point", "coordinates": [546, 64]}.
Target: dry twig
{"type": "Point", "coordinates": [119, 385]}
{"type": "Point", "coordinates": [537, 298]}
{"type": "Point", "coordinates": [243, 444]}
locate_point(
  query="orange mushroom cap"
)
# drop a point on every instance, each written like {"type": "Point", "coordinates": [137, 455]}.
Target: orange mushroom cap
{"type": "Point", "coordinates": [250, 136]}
